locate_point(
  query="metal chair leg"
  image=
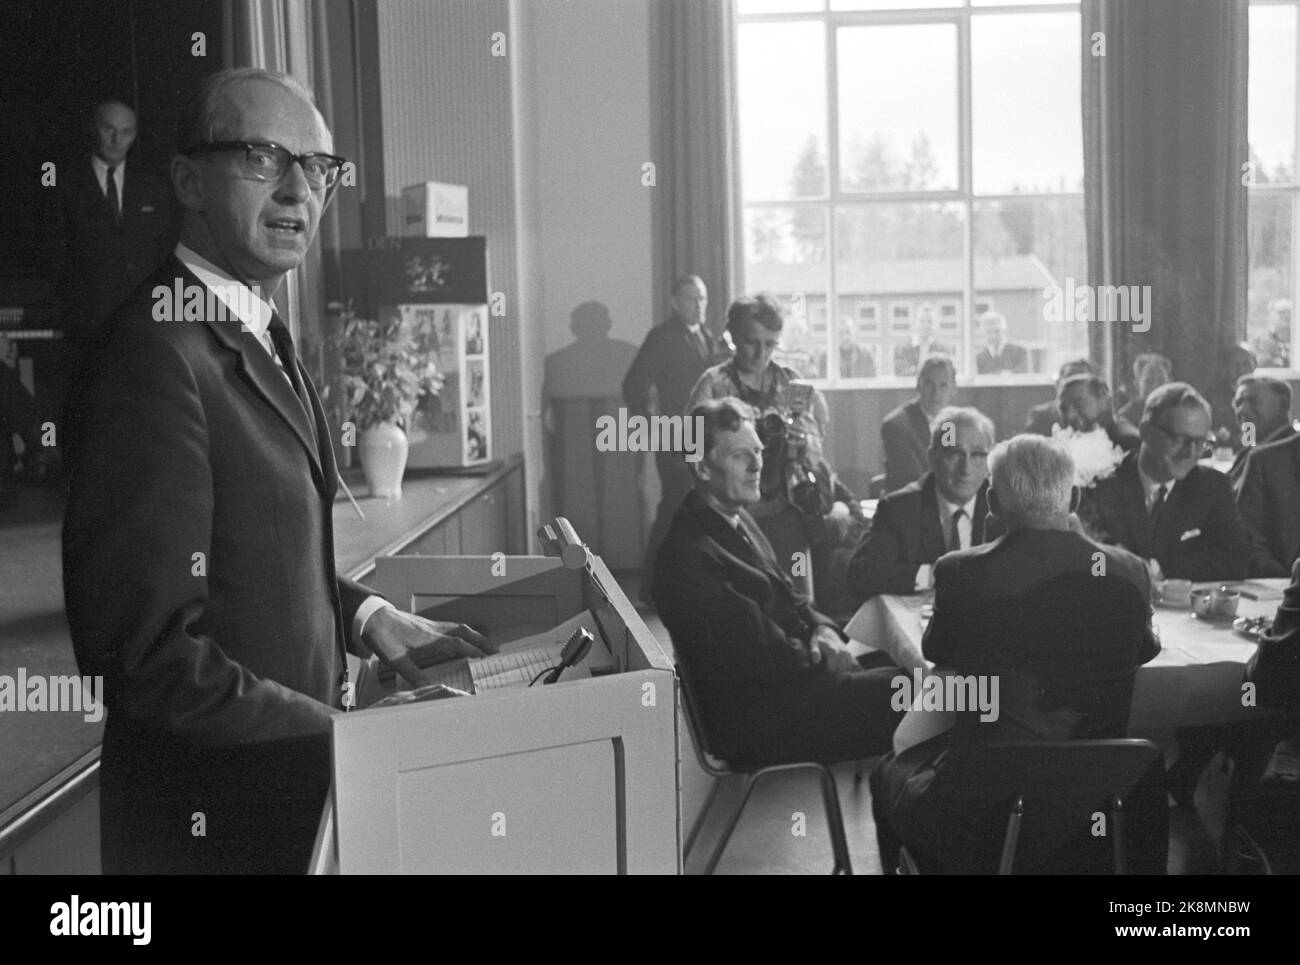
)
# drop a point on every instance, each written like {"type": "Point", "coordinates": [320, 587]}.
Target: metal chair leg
{"type": "Point", "coordinates": [1013, 835]}
{"type": "Point", "coordinates": [750, 782]}
{"type": "Point", "coordinates": [699, 819]}
{"type": "Point", "coordinates": [835, 822]}
{"type": "Point", "coordinates": [1117, 829]}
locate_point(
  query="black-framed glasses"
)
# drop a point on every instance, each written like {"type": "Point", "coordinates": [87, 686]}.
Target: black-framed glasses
{"type": "Point", "coordinates": [266, 161]}
{"type": "Point", "coordinates": [1180, 441]}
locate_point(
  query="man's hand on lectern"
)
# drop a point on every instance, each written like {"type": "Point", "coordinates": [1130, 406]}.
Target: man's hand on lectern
{"type": "Point", "coordinates": [407, 642]}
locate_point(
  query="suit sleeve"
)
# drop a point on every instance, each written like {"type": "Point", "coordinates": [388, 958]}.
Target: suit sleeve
{"type": "Point", "coordinates": [1251, 504]}
{"type": "Point", "coordinates": [1275, 666]}
{"type": "Point", "coordinates": [944, 632]}
{"type": "Point", "coordinates": [898, 458]}
{"type": "Point", "coordinates": [721, 632]}
{"type": "Point", "coordinates": [879, 564]}
{"type": "Point", "coordinates": [140, 509]}
{"type": "Point", "coordinates": [642, 374]}
{"type": "Point", "coordinates": [1223, 549]}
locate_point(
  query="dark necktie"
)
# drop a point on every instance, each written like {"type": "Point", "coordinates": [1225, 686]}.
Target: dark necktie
{"type": "Point", "coordinates": [112, 196]}
{"type": "Point", "coordinates": [284, 348]}
{"type": "Point", "coordinates": [956, 543]}
{"type": "Point", "coordinates": [1158, 504]}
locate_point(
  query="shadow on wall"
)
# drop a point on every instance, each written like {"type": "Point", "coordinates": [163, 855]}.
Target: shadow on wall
{"type": "Point", "coordinates": [599, 492]}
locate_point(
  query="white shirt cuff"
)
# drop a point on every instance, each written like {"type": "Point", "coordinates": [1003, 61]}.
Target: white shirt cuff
{"type": "Point", "coordinates": [923, 577]}
{"type": "Point", "coordinates": [369, 607]}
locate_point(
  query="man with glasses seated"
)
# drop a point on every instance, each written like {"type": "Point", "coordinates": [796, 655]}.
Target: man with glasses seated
{"type": "Point", "coordinates": [1160, 504]}
{"type": "Point", "coordinates": [945, 510]}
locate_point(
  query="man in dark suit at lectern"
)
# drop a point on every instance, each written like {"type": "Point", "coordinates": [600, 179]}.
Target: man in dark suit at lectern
{"type": "Point", "coordinates": [198, 547]}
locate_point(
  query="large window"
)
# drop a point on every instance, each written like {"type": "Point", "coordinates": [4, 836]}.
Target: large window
{"type": "Point", "coordinates": [1271, 179]}
{"type": "Point", "coordinates": [912, 163]}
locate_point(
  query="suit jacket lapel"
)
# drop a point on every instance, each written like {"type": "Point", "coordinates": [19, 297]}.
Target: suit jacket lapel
{"type": "Point", "coordinates": [932, 544]}
{"type": "Point", "coordinates": [261, 372]}
{"type": "Point", "coordinates": [920, 429]}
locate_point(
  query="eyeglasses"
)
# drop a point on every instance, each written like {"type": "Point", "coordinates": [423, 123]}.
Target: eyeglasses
{"type": "Point", "coordinates": [1199, 443]}
{"type": "Point", "coordinates": [952, 454]}
{"type": "Point", "coordinates": [269, 162]}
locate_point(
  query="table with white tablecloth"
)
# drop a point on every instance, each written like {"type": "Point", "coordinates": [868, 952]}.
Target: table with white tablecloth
{"type": "Point", "coordinates": [1195, 679]}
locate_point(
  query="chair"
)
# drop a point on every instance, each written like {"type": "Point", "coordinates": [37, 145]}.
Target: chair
{"type": "Point", "coordinates": [1049, 808]}
{"type": "Point", "coordinates": [718, 769]}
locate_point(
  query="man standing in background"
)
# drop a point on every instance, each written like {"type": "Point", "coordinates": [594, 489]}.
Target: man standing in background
{"type": "Point", "coordinates": [671, 360]}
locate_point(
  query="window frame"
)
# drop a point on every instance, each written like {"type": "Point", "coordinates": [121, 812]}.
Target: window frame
{"type": "Point", "coordinates": [834, 199]}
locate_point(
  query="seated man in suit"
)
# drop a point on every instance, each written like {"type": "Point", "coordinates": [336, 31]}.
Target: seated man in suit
{"type": "Point", "coordinates": [1042, 417]}
{"type": "Point", "coordinates": [1150, 371]}
{"type": "Point", "coordinates": [906, 430]}
{"type": "Point", "coordinates": [999, 355]}
{"type": "Point", "coordinates": [1068, 681]}
{"type": "Point", "coordinates": [1084, 404]}
{"type": "Point", "coordinates": [911, 355]}
{"type": "Point", "coordinates": [944, 510]}
{"type": "Point", "coordinates": [1160, 504]}
{"type": "Point", "coordinates": [1268, 494]}
{"type": "Point", "coordinates": [1262, 406]}
{"type": "Point", "coordinates": [772, 676]}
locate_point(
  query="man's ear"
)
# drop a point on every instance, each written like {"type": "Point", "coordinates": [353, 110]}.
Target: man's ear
{"type": "Point", "coordinates": [1076, 497]}
{"type": "Point", "coordinates": [187, 182]}
{"type": "Point", "coordinates": [992, 498]}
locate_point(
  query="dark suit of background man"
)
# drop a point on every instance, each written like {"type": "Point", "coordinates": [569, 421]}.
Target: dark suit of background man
{"type": "Point", "coordinates": [105, 234]}
{"type": "Point", "coordinates": [198, 548]}
{"type": "Point", "coordinates": [670, 361]}
{"type": "Point", "coordinates": [772, 677]}
{"type": "Point", "coordinates": [944, 510]}
{"type": "Point", "coordinates": [1178, 516]}
{"type": "Point", "coordinates": [999, 355]}
{"type": "Point", "coordinates": [1030, 610]}
{"type": "Point", "coordinates": [905, 431]}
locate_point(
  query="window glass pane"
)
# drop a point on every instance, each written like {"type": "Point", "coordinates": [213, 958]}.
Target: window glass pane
{"type": "Point", "coordinates": [1020, 3]}
{"type": "Point", "coordinates": [744, 7]}
{"type": "Point", "coordinates": [785, 256]}
{"type": "Point", "coordinates": [1027, 132]}
{"type": "Point", "coordinates": [898, 107]}
{"type": "Point", "coordinates": [1271, 94]}
{"type": "Point", "coordinates": [900, 264]}
{"type": "Point", "coordinates": [782, 94]}
{"type": "Point", "coordinates": [1268, 307]}
{"type": "Point", "coordinates": [1023, 248]}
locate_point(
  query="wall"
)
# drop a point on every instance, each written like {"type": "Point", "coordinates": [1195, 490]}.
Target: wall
{"type": "Point", "coordinates": [447, 116]}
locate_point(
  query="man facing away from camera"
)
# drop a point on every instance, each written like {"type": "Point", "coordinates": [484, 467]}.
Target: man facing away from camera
{"type": "Point", "coordinates": [198, 547]}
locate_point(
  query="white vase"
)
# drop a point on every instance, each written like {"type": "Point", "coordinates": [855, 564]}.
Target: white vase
{"type": "Point", "coordinates": [383, 451]}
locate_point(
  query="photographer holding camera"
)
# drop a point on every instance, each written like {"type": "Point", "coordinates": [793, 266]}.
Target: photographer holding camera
{"type": "Point", "coordinates": [804, 506]}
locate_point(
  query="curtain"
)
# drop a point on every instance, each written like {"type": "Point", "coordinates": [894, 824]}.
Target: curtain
{"type": "Point", "coordinates": [1164, 110]}
{"type": "Point", "coordinates": [286, 36]}
{"type": "Point", "coordinates": [697, 215]}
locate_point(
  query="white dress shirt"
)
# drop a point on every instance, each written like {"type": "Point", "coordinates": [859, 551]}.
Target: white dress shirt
{"type": "Point", "coordinates": [246, 305]}
{"type": "Point", "coordinates": [100, 167]}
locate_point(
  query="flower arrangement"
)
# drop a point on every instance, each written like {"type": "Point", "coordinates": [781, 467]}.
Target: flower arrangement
{"type": "Point", "coordinates": [384, 377]}
{"type": "Point", "coordinates": [1095, 456]}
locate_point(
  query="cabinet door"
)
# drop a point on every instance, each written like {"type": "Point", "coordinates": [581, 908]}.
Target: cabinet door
{"type": "Point", "coordinates": [483, 524]}
{"type": "Point", "coordinates": [442, 540]}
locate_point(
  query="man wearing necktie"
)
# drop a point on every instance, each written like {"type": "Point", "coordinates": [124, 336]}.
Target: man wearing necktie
{"type": "Point", "coordinates": [670, 361]}
{"type": "Point", "coordinates": [198, 544]}
{"type": "Point", "coordinates": [108, 223]}
{"type": "Point", "coordinates": [773, 677]}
